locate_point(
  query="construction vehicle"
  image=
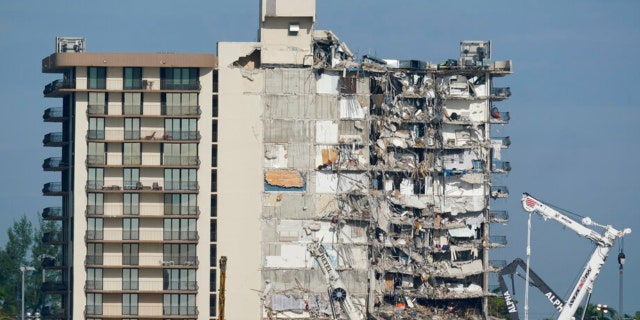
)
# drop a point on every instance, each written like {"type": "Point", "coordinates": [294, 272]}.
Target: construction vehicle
{"type": "Point", "coordinates": [534, 280]}
{"type": "Point", "coordinates": [337, 291]}
{"type": "Point", "coordinates": [603, 243]}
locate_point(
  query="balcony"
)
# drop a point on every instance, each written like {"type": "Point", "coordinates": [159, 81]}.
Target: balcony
{"type": "Point", "coordinates": [169, 261]}
{"type": "Point", "coordinates": [96, 159]}
{"type": "Point", "coordinates": [54, 114]}
{"type": "Point", "coordinates": [177, 210]}
{"type": "Point", "coordinates": [181, 135]}
{"type": "Point", "coordinates": [181, 235]}
{"type": "Point", "coordinates": [50, 262]}
{"type": "Point", "coordinates": [54, 139]}
{"type": "Point", "coordinates": [53, 89]}
{"type": "Point", "coordinates": [180, 160]}
{"type": "Point", "coordinates": [170, 84]}
{"type": "Point", "coordinates": [497, 265]}
{"type": "Point", "coordinates": [54, 164]}
{"type": "Point", "coordinates": [52, 213]}
{"type": "Point", "coordinates": [181, 185]}
{"type": "Point", "coordinates": [132, 110]}
{"type": "Point", "coordinates": [499, 192]}
{"type": "Point", "coordinates": [53, 312]}
{"type": "Point", "coordinates": [94, 209]}
{"type": "Point", "coordinates": [94, 260]}
{"type": "Point", "coordinates": [97, 109]}
{"type": "Point", "coordinates": [503, 142]}
{"type": "Point", "coordinates": [53, 189]}
{"type": "Point", "coordinates": [49, 286]}
{"type": "Point", "coordinates": [94, 235]}
{"type": "Point", "coordinates": [93, 310]}
{"type": "Point", "coordinates": [497, 241]}
{"type": "Point", "coordinates": [498, 216]}
{"type": "Point", "coordinates": [498, 117]}
{"type": "Point", "coordinates": [500, 93]}
{"type": "Point", "coordinates": [179, 311]}
{"type": "Point", "coordinates": [52, 238]}
{"type": "Point", "coordinates": [96, 185]}
{"type": "Point", "coordinates": [180, 110]}
{"type": "Point", "coordinates": [498, 166]}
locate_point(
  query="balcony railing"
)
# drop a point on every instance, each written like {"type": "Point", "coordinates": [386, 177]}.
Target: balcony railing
{"type": "Point", "coordinates": [94, 260]}
{"type": "Point", "coordinates": [181, 185]}
{"type": "Point", "coordinates": [499, 117]}
{"type": "Point", "coordinates": [94, 235]}
{"type": "Point", "coordinates": [180, 261]}
{"type": "Point", "coordinates": [505, 142]}
{"type": "Point", "coordinates": [181, 210]}
{"type": "Point", "coordinates": [53, 114]}
{"type": "Point", "coordinates": [93, 310]}
{"type": "Point", "coordinates": [53, 139]}
{"type": "Point", "coordinates": [52, 212]}
{"type": "Point", "coordinates": [95, 209]}
{"type": "Point", "coordinates": [498, 240]}
{"type": "Point", "coordinates": [499, 192]}
{"type": "Point", "coordinates": [95, 184]}
{"type": "Point", "coordinates": [132, 134]}
{"type": "Point", "coordinates": [51, 188]}
{"type": "Point", "coordinates": [95, 159]}
{"type": "Point", "coordinates": [497, 264]}
{"type": "Point", "coordinates": [179, 311]}
{"type": "Point", "coordinates": [499, 216]}
{"type": "Point", "coordinates": [49, 237]}
{"type": "Point", "coordinates": [93, 285]}
{"type": "Point", "coordinates": [54, 163]}
{"type": "Point", "coordinates": [180, 110]}
{"type": "Point", "coordinates": [501, 93]}
{"type": "Point", "coordinates": [97, 109]}
{"type": "Point", "coordinates": [49, 261]}
{"type": "Point", "coordinates": [181, 235]}
{"type": "Point", "coordinates": [180, 285]}
{"type": "Point", "coordinates": [54, 286]}
{"type": "Point", "coordinates": [95, 134]}
{"type": "Point", "coordinates": [181, 135]}
{"type": "Point", "coordinates": [58, 84]}
{"type": "Point", "coordinates": [180, 160]}
{"type": "Point", "coordinates": [498, 166]}
{"type": "Point", "coordinates": [170, 84]}
{"type": "Point", "coordinates": [132, 110]}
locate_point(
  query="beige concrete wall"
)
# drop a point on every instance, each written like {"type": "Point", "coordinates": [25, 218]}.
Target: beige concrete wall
{"type": "Point", "coordinates": [287, 8]}
{"type": "Point", "coordinates": [281, 47]}
{"type": "Point", "coordinates": [240, 180]}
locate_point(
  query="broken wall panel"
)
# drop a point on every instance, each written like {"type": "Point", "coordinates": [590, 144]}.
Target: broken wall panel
{"type": "Point", "coordinates": [281, 131]}
{"type": "Point", "coordinates": [327, 182]}
{"type": "Point", "coordinates": [326, 107]}
{"type": "Point", "coordinates": [288, 106]}
{"type": "Point", "coordinates": [289, 81]}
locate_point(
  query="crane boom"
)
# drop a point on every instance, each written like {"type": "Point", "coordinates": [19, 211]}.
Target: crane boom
{"type": "Point", "coordinates": [603, 242]}
{"type": "Point", "coordinates": [337, 289]}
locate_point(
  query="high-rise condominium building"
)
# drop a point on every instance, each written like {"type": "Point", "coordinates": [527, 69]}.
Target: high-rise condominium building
{"type": "Point", "coordinates": [332, 185]}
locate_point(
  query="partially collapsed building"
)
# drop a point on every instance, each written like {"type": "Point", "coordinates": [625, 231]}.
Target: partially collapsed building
{"type": "Point", "coordinates": [327, 185]}
{"type": "Point", "coordinates": [356, 187]}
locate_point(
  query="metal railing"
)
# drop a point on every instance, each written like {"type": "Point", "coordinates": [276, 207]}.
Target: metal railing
{"type": "Point", "coordinates": [181, 135]}
{"type": "Point", "coordinates": [97, 109]}
{"type": "Point", "coordinates": [180, 160]}
{"type": "Point", "coordinates": [181, 235]}
{"type": "Point", "coordinates": [58, 84]}
{"type": "Point", "coordinates": [179, 210]}
{"type": "Point", "coordinates": [53, 162]}
{"type": "Point", "coordinates": [181, 185]}
{"type": "Point", "coordinates": [53, 112]}
{"type": "Point", "coordinates": [52, 138]}
{"type": "Point", "coordinates": [170, 84]}
{"type": "Point", "coordinates": [180, 110]}
{"type": "Point", "coordinates": [52, 187]}
{"type": "Point", "coordinates": [51, 212]}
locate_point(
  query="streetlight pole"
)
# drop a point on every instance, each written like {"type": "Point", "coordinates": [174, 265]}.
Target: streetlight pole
{"type": "Point", "coordinates": [621, 259]}
{"type": "Point", "coordinates": [24, 269]}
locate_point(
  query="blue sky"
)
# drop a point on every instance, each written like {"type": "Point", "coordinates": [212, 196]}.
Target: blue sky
{"type": "Point", "coordinates": [574, 109]}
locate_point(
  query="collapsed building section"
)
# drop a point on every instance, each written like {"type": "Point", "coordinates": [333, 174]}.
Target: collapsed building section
{"type": "Point", "coordinates": [386, 164]}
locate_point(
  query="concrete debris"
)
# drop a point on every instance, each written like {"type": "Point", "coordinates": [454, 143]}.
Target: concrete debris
{"type": "Point", "coordinates": [399, 181]}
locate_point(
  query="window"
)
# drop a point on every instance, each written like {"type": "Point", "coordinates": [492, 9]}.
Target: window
{"type": "Point", "coordinates": [181, 129]}
{"type": "Point", "coordinates": [96, 128]}
{"type": "Point", "coordinates": [132, 128]}
{"type": "Point", "coordinates": [214, 230]}
{"type": "Point", "coordinates": [97, 103]}
{"type": "Point", "coordinates": [180, 229]}
{"type": "Point", "coordinates": [95, 203]}
{"type": "Point", "coordinates": [131, 204]}
{"type": "Point", "coordinates": [95, 178]}
{"type": "Point", "coordinates": [132, 78]}
{"type": "Point", "coordinates": [94, 279]}
{"type": "Point", "coordinates": [130, 229]}
{"type": "Point", "coordinates": [97, 78]}
{"type": "Point", "coordinates": [130, 303]}
{"type": "Point", "coordinates": [96, 153]}
{"type": "Point", "coordinates": [180, 204]}
{"type": "Point", "coordinates": [179, 79]}
{"type": "Point", "coordinates": [180, 179]}
{"type": "Point", "coordinates": [179, 279]}
{"type": "Point", "coordinates": [130, 254]}
{"type": "Point", "coordinates": [131, 177]}
{"type": "Point", "coordinates": [214, 205]}
{"type": "Point", "coordinates": [132, 103]}
{"type": "Point", "coordinates": [179, 304]}
{"type": "Point", "coordinates": [131, 153]}
{"type": "Point", "coordinates": [94, 303]}
{"type": "Point", "coordinates": [180, 104]}
{"type": "Point", "coordinates": [180, 254]}
{"type": "Point", "coordinates": [129, 279]}
{"type": "Point", "coordinates": [94, 253]}
{"type": "Point", "coordinates": [180, 154]}
{"type": "Point", "coordinates": [95, 228]}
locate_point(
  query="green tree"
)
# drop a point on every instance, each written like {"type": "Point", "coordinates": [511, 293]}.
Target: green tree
{"type": "Point", "coordinates": [497, 306]}
{"type": "Point", "coordinates": [12, 257]}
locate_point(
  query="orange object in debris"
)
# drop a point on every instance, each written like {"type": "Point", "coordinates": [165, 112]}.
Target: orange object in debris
{"type": "Point", "coordinates": [286, 179]}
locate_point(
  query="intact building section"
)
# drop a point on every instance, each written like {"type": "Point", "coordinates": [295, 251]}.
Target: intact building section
{"type": "Point", "coordinates": [133, 199]}
{"type": "Point", "coordinates": [363, 187]}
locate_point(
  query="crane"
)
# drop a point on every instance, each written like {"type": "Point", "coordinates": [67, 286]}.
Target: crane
{"type": "Point", "coordinates": [535, 280]}
{"type": "Point", "coordinates": [337, 289]}
{"type": "Point", "coordinates": [603, 243]}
